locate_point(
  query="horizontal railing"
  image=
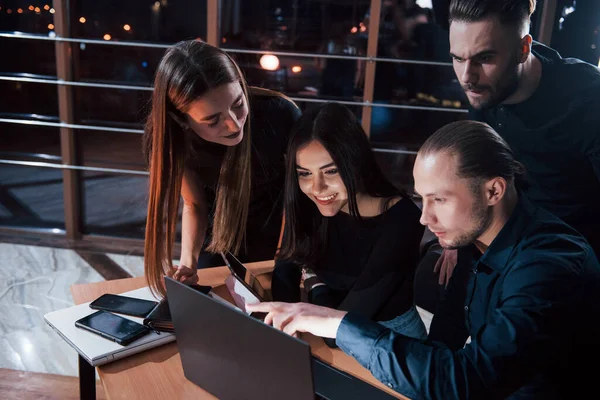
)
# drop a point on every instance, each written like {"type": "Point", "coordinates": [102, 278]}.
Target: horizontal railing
{"type": "Point", "coordinates": [40, 164]}
{"type": "Point", "coordinates": [28, 79]}
{"type": "Point", "coordinates": [29, 36]}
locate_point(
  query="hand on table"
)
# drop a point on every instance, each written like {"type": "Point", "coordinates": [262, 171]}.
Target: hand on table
{"type": "Point", "coordinates": [445, 265]}
{"type": "Point", "coordinates": [292, 318]}
{"type": "Point", "coordinates": [184, 274]}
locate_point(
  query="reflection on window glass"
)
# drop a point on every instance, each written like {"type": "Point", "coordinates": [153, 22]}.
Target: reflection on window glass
{"type": "Point", "coordinates": [27, 56]}
{"type": "Point", "coordinates": [321, 26]}
{"type": "Point", "coordinates": [120, 107]}
{"type": "Point", "coordinates": [164, 21]}
{"type": "Point", "coordinates": [329, 79]}
{"type": "Point", "coordinates": [23, 98]}
{"type": "Point", "coordinates": [31, 197]}
{"type": "Point", "coordinates": [420, 85]}
{"type": "Point", "coordinates": [412, 29]}
{"type": "Point", "coordinates": [22, 16]}
{"type": "Point", "coordinates": [116, 64]}
{"type": "Point", "coordinates": [111, 150]}
{"type": "Point", "coordinates": [114, 205]}
{"type": "Point", "coordinates": [30, 143]}
{"type": "Point", "coordinates": [407, 129]}
{"type": "Point", "coordinates": [577, 30]}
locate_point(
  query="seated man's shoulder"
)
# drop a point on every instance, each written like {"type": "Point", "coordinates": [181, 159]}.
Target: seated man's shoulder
{"type": "Point", "coordinates": [550, 241]}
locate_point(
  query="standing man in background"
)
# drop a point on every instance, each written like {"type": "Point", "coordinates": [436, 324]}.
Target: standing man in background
{"type": "Point", "coordinates": [546, 107]}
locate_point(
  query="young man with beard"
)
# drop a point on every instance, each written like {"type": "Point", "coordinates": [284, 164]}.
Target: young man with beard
{"type": "Point", "coordinates": [546, 108]}
{"type": "Point", "coordinates": [526, 289]}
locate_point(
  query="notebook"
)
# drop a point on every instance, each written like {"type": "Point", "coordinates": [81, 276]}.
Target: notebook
{"type": "Point", "coordinates": [95, 349]}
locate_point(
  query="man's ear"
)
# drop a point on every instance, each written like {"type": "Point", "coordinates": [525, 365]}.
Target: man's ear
{"type": "Point", "coordinates": [526, 43]}
{"type": "Point", "coordinates": [494, 190]}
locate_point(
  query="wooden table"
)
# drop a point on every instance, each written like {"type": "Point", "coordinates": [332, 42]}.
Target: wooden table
{"type": "Point", "coordinates": [157, 373]}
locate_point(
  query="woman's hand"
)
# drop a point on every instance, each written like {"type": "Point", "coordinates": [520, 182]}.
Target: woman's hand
{"type": "Point", "coordinates": [184, 274]}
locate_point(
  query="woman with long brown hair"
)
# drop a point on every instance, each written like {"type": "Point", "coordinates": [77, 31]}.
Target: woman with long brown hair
{"type": "Point", "coordinates": [220, 146]}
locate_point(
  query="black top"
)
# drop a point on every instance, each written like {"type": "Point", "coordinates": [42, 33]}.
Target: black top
{"type": "Point", "coordinates": [271, 121]}
{"type": "Point", "coordinates": [556, 135]}
{"type": "Point", "coordinates": [369, 265]}
{"type": "Point", "coordinates": [530, 304]}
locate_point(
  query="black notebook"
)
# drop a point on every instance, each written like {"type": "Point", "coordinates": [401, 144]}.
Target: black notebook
{"type": "Point", "coordinates": [159, 319]}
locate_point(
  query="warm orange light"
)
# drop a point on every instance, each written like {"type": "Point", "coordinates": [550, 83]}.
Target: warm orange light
{"type": "Point", "coordinates": [52, 11]}
{"type": "Point", "coordinates": [50, 26]}
{"type": "Point", "coordinates": [363, 28]}
{"type": "Point", "coordinates": [9, 11]}
{"type": "Point", "coordinates": [224, 40]}
{"type": "Point", "coordinates": [30, 8]}
{"type": "Point", "coordinates": [46, 7]}
{"type": "Point", "coordinates": [37, 10]}
{"type": "Point", "coordinates": [296, 69]}
{"type": "Point", "coordinates": [20, 10]}
{"type": "Point", "coordinates": [107, 37]}
{"type": "Point", "coordinates": [82, 20]}
{"type": "Point", "coordinates": [127, 27]}
{"type": "Point", "coordinates": [354, 29]}
{"type": "Point", "coordinates": [269, 62]}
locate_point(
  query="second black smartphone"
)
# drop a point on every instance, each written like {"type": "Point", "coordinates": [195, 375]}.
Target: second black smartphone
{"type": "Point", "coordinates": [123, 305]}
{"type": "Point", "coordinates": [112, 327]}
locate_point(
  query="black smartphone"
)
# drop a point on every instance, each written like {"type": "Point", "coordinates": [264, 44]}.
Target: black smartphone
{"type": "Point", "coordinates": [113, 327]}
{"type": "Point", "coordinates": [123, 305]}
{"type": "Point", "coordinates": [247, 278]}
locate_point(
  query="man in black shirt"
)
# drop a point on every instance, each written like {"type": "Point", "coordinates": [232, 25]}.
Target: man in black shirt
{"type": "Point", "coordinates": [519, 318]}
{"type": "Point", "coordinates": [546, 107]}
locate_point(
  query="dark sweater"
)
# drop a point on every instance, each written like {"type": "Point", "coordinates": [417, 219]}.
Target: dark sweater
{"type": "Point", "coordinates": [368, 267]}
{"type": "Point", "coordinates": [556, 135]}
{"type": "Point", "coordinates": [271, 121]}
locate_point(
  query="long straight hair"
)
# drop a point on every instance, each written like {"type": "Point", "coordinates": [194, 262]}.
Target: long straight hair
{"type": "Point", "coordinates": [339, 131]}
{"type": "Point", "coordinates": [187, 71]}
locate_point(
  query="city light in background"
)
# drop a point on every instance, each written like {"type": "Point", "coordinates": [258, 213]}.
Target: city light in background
{"type": "Point", "coordinates": [269, 62]}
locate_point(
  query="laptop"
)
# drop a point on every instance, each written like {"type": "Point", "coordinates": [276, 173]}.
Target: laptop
{"type": "Point", "coordinates": [235, 356]}
{"type": "Point", "coordinates": [95, 349]}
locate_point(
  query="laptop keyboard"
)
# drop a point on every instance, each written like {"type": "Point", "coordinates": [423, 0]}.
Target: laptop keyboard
{"type": "Point", "coordinates": [333, 384]}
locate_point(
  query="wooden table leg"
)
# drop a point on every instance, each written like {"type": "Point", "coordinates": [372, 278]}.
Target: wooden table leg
{"type": "Point", "coordinates": [87, 380]}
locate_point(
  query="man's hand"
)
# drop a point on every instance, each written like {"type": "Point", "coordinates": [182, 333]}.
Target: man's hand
{"type": "Point", "coordinates": [445, 265]}
{"type": "Point", "coordinates": [184, 274]}
{"type": "Point", "coordinates": [292, 318]}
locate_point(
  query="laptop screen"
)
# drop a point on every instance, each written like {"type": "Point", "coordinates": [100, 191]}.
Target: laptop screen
{"type": "Point", "coordinates": [233, 356]}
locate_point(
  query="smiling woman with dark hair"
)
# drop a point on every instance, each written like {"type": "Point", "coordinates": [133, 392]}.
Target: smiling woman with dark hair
{"type": "Point", "coordinates": [350, 233]}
